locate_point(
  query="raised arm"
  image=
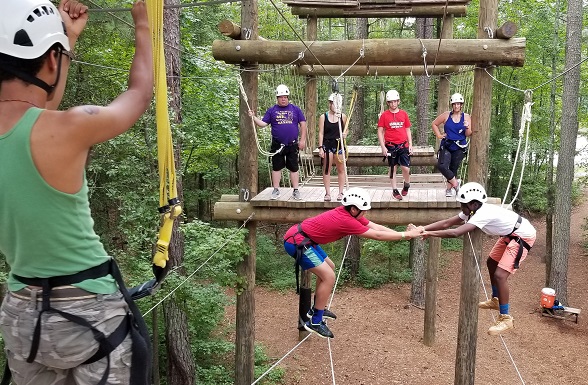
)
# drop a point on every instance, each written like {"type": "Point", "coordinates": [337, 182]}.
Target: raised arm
{"type": "Point", "coordinates": [90, 125]}
{"type": "Point", "coordinates": [75, 16]}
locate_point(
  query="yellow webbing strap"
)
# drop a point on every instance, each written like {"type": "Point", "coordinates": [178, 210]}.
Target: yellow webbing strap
{"type": "Point", "coordinates": [169, 206]}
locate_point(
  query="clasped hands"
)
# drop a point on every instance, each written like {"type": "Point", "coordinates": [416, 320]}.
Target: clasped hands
{"type": "Point", "coordinates": [420, 229]}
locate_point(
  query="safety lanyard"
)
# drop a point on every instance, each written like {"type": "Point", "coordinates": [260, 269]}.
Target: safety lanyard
{"type": "Point", "coordinates": [169, 204]}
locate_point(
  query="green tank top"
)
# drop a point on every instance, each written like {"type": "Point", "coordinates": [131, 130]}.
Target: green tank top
{"type": "Point", "coordinates": [44, 232]}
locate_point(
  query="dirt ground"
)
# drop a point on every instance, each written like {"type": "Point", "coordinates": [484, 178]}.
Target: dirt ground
{"type": "Point", "coordinates": [378, 338]}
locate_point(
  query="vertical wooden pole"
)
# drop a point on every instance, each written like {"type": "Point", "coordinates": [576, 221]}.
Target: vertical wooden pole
{"type": "Point", "coordinates": [431, 291]}
{"type": "Point", "coordinates": [311, 91]}
{"type": "Point", "coordinates": [465, 357]}
{"type": "Point", "coordinates": [435, 243]}
{"type": "Point", "coordinates": [245, 322]}
{"type": "Point", "coordinates": [444, 92]}
{"type": "Point", "coordinates": [304, 302]}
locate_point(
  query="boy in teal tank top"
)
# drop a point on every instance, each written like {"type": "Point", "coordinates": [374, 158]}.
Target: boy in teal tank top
{"type": "Point", "coordinates": [61, 279]}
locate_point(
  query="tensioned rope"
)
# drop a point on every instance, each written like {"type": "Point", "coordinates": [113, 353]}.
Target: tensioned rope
{"type": "Point", "coordinates": [493, 317]}
{"type": "Point", "coordinates": [201, 265]}
{"type": "Point", "coordinates": [525, 126]}
{"type": "Point", "coordinates": [169, 6]}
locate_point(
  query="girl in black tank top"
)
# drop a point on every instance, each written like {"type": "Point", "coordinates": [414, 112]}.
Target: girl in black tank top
{"type": "Point", "coordinates": [330, 143]}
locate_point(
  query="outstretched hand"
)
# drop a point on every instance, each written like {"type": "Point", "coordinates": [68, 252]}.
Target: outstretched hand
{"type": "Point", "coordinates": [74, 15]}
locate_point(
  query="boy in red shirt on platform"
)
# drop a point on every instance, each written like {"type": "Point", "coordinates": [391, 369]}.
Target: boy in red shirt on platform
{"type": "Point", "coordinates": [302, 242]}
{"type": "Point", "coordinates": [396, 141]}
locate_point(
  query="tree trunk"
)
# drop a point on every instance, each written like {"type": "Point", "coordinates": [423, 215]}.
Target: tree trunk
{"type": "Point", "coordinates": [424, 30]}
{"type": "Point", "coordinates": [356, 129]}
{"type": "Point", "coordinates": [181, 369]}
{"type": "Point", "coordinates": [558, 279]}
{"type": "Point", "coordinates": [551, 152]}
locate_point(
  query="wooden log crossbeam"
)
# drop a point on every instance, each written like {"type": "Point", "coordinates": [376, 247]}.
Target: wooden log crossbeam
{"type": "Point", "coordinates": [420, 206]}
{"type": "Point", "coordinates": [367, 70]}
{"type": "Point", "coordinates": [375, 52]}
{"type": "Point", "coordinates": [383, 180]}
{"type": "Point", "coordinates": [383, 11]}
{"type": "Point", "coordinates": [363, 156]}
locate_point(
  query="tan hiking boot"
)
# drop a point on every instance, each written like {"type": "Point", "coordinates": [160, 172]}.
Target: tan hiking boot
{"type": "Point", "coordinates": [490, 304]}
{"type": "Point", "coordinates": [505, 323]}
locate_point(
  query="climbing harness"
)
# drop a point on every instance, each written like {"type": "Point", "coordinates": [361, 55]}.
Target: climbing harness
{"type": "Point", "coordinates": [301, 248]}
{"type": "Point", "coordinates": [132, 323]}
{"type": "Point", "coordinates": [521, 242]}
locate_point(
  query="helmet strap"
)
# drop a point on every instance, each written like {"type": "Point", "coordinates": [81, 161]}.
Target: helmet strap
{"type": "Point", "coordinates": [34, 80]}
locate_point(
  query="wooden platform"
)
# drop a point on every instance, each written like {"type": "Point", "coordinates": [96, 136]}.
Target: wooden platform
{"type": "Point", "coordinates": [418, 181]}
{"type": "Point", "coordinates": [372, 156]}
{"type": "Point", "coordinates": [567, 313]}
{"type": "Point", "coordinates": [421, 206]}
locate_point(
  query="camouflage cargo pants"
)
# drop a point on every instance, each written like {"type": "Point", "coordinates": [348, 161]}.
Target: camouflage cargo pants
{"type": "Point", "coordinates": [64, 345]}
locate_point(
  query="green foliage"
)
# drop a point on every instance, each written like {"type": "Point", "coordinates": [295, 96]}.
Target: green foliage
{"type": "Point", "coordinates": [203, 251]}
{"type": "Point", "coordinates": [274, 267]}
{"type": "Point", "coordinates": [452, 244]}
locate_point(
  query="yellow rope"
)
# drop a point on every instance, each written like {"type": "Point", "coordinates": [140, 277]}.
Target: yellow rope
{"type": "Point", "coordinates": [169, 205]}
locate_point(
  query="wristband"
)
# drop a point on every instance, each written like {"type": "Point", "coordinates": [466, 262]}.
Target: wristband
{"type": "Point", "coordinates": [402, 234]}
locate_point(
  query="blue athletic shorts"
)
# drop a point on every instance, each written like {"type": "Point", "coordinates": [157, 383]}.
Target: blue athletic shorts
{"type": "Point", "coordinates": [313, 255]}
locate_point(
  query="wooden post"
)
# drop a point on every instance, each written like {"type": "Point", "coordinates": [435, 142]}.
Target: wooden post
{"type": "Point", "coordinates": [311, 101]}
{"type": "Point", "coordinates": [431, 291]}
{"type": "Point", "coordinates": [245, 317]}
{"type": "Point", "coordinates": [465, 358]}
{"type": "Point", "coordinates": [435, 243]}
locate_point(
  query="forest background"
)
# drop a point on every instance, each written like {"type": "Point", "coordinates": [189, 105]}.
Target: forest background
{"type": "Point", "coordinates": [123, 176]}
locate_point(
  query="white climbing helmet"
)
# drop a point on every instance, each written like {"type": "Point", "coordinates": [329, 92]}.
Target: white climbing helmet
{"type": "Point", "coordinates": [28, 28]}
{"type": "Point", "coordinates": [333, 96]}
{"type": "Point", "coordinates": [392, 95]}
{"type": "Point", "coordinates": [471, 191]}
{"type": "Point", "coordinates": [282, 90]}
{"type": "Point", "coordinates": [357, 197]}
{"type": "Point", "coordinates": [456, 98]}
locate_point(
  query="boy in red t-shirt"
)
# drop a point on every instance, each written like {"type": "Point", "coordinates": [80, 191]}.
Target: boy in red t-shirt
{"type": "Point", "coordinates": [396, 141]}
{"type": "Point", "coordinates": [302, 242]}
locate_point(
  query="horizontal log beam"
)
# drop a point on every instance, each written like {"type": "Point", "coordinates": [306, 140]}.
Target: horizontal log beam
{"type": "Point", "coordinates": [336, 70]}
{"type": "Point", "coordinates": [384, 12]}
{"type": "Point", "coordinates": [239, 211]}
{"type": "Point", "coordinates": [375, 52]}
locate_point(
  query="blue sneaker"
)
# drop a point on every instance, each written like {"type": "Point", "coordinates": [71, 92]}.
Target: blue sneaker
{"type": "Point", "coordinates": [327, 314]}
{"type": "Point", "coordinates": [321, 330]}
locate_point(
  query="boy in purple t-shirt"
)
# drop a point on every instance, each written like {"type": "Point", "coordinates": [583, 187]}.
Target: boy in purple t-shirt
{"type": "Point", "coordinates": [284, 119]}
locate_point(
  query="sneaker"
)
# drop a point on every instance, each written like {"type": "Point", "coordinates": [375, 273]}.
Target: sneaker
{"type": "Point", "coordinates": [490, 304]}
{"type": "Point", "coordinates": [396, 194]}
{"type": "Point", "coordinates": [296, 194]}
{"type": "Point", "coordinates": [327, 314]}
{"type": "Point", "coordinates": [504, 324]}
{"type": "Point", "coordinates": [405, 189]}
{"type": "Point", "coordinates": [449, 192]}
{"type": "Point", "coordinates": [275, 194]}
{"type": "Point", "coordinates": [321, 330]}
{"type": "Point", "coordinates": [456, 188]}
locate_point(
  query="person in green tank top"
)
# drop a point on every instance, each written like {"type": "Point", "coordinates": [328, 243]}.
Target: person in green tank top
{"type": "Point", "coordinates": [61, 278]}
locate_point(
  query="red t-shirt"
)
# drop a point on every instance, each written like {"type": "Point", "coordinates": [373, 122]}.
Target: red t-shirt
{"type": "Point", "coordinates": [329, 226]}
{"type": "Point", "coordinates": [395, 125]}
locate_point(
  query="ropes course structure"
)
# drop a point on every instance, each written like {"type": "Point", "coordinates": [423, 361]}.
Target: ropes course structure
{"type": "Point", "coordinates": [168, 190]}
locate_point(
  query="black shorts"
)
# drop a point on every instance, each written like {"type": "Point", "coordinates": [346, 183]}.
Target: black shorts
{"type": "Point", "coordinates": [398, 154]}
{"type": "Point", "coordinates": [287, 157]}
